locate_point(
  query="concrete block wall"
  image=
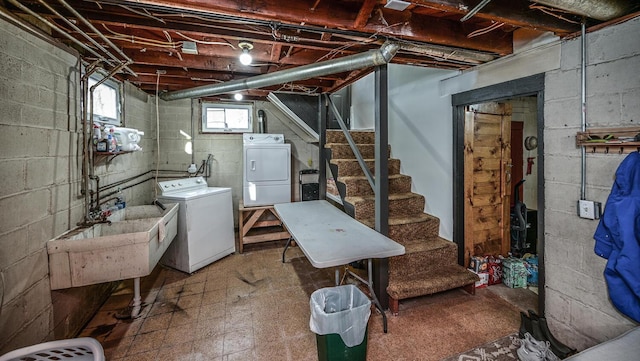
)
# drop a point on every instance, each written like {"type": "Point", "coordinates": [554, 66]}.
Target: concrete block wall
{"type": "Point", "coordinates": [577, 304]}
{"type": "Point", "coordinates": [226, 149]}
{"type": "Point", "coordinates": [38, 137]}
{"type": "Point", "coordinates": [40, 173]}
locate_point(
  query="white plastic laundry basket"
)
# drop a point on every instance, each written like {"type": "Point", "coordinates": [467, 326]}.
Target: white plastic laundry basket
{"type": "Point", "coordinates": [76, 349]}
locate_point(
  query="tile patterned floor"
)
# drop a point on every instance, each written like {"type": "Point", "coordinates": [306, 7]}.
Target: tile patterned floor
{"type": "Point", "coordinates": [253, 307]}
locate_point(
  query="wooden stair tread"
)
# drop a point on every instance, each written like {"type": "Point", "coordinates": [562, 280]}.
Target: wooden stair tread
{"type": "Point", "coordinates": [362, 177]}
{"type": "Point", "coordinates": [355, 160]}
{"type": "Point", "coordinates": [426, 245]}
{"type": "Point", "coordinates": [395, 221]}
{"type": "Point", "coordinates": [392, 197]}
{"type": "Point", "coordinates": [438, 280]}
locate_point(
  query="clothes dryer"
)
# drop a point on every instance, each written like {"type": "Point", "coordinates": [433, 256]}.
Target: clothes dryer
{"type": "Point", "coordinates": [266, 170]}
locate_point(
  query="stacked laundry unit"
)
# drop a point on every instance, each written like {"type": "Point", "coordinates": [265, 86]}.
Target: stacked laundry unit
{"type": "Point", "coordinates": [267, 169]}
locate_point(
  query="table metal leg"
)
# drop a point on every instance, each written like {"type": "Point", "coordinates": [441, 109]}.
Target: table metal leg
{"type": "Point", "coordinates": [369, 284]}
{"type": "Point", "coordinates": [286, 246]}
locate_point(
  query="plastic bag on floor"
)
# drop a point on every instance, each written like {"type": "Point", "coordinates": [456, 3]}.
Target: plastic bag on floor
{"type": "Point", "coordinates": [343, 310]}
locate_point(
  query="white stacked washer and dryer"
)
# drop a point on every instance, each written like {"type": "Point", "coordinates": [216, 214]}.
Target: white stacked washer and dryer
{"type": "Point", "coordinates": [267, 169]}
{"type": "Point", "coordinates": [205, 223]}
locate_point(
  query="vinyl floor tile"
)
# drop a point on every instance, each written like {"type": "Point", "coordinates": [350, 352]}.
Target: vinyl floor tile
{"type": "Point", "coordinates": [251, 306]}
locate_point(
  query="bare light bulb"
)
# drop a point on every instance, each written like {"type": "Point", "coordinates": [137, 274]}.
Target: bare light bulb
{"type": "Point", "coordinates": [237, 96]}
{"type": "Point", "coordinates": [245, 57]}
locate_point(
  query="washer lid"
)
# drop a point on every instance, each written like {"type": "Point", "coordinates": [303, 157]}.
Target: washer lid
{"type": "Point", "coordinates": [189, 194]}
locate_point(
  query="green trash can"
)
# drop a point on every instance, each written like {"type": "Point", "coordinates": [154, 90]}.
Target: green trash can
{"type": "Point", "coordinates": [339, 317]}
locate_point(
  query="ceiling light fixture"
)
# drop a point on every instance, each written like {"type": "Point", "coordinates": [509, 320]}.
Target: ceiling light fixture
{"type": "Point", "coordinates": [237, 96]}
{"type": "Point", "coordinates": [397, 5]}
{"type": "Point", "coordinates": [245, 57]}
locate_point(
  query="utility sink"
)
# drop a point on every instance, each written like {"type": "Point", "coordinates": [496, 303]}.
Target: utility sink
{"type": "Point", "coordinates": [129, 247]}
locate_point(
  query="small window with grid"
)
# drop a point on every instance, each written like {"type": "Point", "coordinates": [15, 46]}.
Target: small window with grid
{"type": "Point", "coordinates": [226, 118]}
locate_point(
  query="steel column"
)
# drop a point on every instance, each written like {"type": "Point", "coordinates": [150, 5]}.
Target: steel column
{"type": "Point", "coordinates": [322, 140]}
{"type": "Point", "coordinates": [381, 266]}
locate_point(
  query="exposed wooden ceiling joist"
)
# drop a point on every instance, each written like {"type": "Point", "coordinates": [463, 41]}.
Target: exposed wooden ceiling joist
{"type": "Point", "coordinates": [195, 42]}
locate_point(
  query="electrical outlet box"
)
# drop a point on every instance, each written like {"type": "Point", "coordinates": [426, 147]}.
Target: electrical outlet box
{"type": "Point", "coordinates": [589, 209]}
{"type": "Point", "coordinates": [189, 47]}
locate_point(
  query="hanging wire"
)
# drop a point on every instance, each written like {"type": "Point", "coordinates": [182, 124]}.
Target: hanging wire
{"type": "Point", "coordinates": [145, 13]}
{"type": "Point", "coordinates": [483, 31]}
{"type": "Point", "coordinates": [553, 12]}
{"type": "Point", "coordinates": [372, 38]}
{"type": "Point", "coordinates": [205, 42]}
{"type": "Point", "coordinates": [140, 40]}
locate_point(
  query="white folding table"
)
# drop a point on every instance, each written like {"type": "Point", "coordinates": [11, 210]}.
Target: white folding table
{"type": "Point", "coordinates": [329, 237]}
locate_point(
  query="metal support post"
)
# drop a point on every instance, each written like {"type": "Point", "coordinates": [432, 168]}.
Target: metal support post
{"type": "Point", "coordinates": [381, 266]}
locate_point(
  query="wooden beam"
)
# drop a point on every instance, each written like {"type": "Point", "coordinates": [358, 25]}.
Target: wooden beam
{"type": "Point", "coordinates": [276, 49]}
{"type": "Point", "coordinates": [511, 12]}
{"type": "Point", "coordinates": [364, 14]}
{"type": "Point", "coordinates": [406, 25]}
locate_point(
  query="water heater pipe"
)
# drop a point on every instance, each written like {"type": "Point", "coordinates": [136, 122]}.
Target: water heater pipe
{"type": "Point", "coordinates": [261, 127]}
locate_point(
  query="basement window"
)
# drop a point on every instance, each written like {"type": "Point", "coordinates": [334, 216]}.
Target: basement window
{"type": "Point", "coordinates": [226, 118]}
{"type": "Point", "coordinates": [107, 100]}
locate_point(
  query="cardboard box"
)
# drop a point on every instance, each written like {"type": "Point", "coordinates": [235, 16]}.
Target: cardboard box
{"type": "Point", "coordinates": [532, 269]}
{"type": "Point", "coordinates": [484, 279]}
{"type": "Point", "coordinates": [495, 270]}
{"type": "Point", "coordinates": [478, 264]}
{"type": "Point", "coordinates": [514, 273]}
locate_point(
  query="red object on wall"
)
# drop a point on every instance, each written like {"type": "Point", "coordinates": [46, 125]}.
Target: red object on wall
{"type": "Point", "coordinates": [530, 164]}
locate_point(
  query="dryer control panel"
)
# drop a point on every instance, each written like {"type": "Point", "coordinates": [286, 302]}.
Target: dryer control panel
{"type": "Point", "coordinates": [262, 138]}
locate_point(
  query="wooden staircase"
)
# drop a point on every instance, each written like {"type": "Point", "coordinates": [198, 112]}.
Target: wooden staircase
{"type": "Point", "coordinates": [430, 264]}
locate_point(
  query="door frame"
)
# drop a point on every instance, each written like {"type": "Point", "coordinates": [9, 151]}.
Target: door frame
{"type": "Point", "coordinates": [532, 85]}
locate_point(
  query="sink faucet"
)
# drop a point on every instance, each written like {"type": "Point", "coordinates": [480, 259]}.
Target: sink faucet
{"type": "Point", "coordinates": [96, 217]}
{"type": "Point", "coordinates": [157, 203]}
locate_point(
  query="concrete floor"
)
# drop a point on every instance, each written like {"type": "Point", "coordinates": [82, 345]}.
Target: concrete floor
{"type": "Point", "coordinates": [253, 307]}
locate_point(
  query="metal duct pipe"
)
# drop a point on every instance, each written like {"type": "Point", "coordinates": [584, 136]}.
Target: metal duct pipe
{"type": "Point", "coordinates": [596, 9]}
{"type": "Point", "coordinates": [347, 63]}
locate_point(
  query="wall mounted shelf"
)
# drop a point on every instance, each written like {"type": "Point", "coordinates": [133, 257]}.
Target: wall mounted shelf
{"type": "Point", "coordinates": [609, 140]}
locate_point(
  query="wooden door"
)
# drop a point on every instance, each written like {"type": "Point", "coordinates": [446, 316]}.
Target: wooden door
{"type": "Point", "coordinates": [487, 179]}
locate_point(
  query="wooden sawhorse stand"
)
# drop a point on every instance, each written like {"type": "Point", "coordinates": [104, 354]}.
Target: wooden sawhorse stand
{"type": "Point", "coordinates": [259, 224]}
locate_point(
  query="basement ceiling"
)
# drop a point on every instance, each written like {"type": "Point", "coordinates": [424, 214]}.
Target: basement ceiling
{"type": "Point", "coordinates": [169, 45]}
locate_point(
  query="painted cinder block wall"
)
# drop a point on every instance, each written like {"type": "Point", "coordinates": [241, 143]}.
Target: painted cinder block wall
{"type": "Point", "coordinates": [40, 173]}
{"type": "Point", "coordinates": [577, 303]}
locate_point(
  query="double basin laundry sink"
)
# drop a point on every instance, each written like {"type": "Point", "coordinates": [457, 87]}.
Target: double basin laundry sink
{"type": "Point", "coordinates": [129, 247]}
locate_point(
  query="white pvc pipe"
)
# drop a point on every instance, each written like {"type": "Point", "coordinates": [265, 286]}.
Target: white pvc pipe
{"type": "Point", "coordinates": [137, 300]}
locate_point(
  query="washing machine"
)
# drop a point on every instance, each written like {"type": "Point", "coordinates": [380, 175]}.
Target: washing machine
{"type": "Point", "coordinates": [266, 170]}
{"type": "Point", "coordinates": [205, 223]}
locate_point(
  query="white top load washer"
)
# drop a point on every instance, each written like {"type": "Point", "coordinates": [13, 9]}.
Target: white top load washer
{"type": "Point", "coordinates": [205, 223]}
{"type": "Point", "coordinates": [267, 169]}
